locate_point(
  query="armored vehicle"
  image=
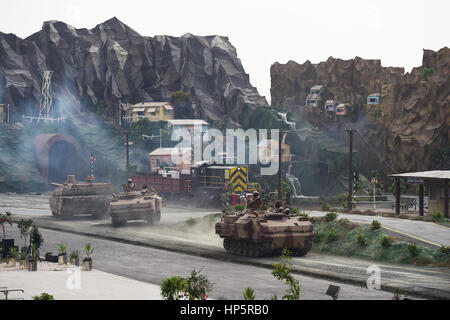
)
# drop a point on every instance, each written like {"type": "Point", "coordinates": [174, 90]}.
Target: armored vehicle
{"type": "Point", "coordinates": [80, 198]}
{"type": "Point", "coordinates": [255, 233]}
{"type": "Point", "coordinates": [135, 205]}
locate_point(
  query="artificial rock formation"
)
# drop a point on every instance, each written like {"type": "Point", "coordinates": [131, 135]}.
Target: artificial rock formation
{"type": "Point", "coordinates": [412, 129]}
{"type": "Point", "coordinates": [112, 63]}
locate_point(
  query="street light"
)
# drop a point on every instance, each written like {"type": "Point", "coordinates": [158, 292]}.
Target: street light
{"type": "Point", "coordinates": [374, 181]}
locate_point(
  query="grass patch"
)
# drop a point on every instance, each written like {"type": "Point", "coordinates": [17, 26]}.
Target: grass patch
{"type": "Point", "coordinates": [356, 240]}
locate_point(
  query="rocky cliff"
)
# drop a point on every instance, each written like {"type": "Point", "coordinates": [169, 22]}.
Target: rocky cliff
{"type": "Point", "coordinates": [409, 130]}
{"type": "Point", "coordinates": [112, 63]}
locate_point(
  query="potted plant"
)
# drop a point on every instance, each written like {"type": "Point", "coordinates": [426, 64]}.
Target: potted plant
{"type": "Point", "coordinates": [13, 256]}
{"type": "Point", "coordinates": [75, 257]}
{"type": "Point", "coordinates": [87, 261]}
{"type": "Point", "coordinates": [32, 261]}
{"type": "Point", "coordinates": [23, 259]}
{"type": "Point", "coordinates": [62, 253]}
{"type": "Point", "coordinates": [36, 238]}
{"type": "Point", "coordinates": [6, 243]}
{"type": "Point", "coordinates": [25, 228]}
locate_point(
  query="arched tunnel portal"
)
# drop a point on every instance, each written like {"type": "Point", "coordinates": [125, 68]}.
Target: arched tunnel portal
{"type": "Point", "coordinates": [57, 156]}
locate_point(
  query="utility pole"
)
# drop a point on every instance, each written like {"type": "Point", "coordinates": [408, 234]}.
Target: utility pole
{"type": "Point", "coordinates": [280, 140]}
{"type": "Point", "coordinates": [128, 155]}
{"type": "Point", "coordinates": [350, 132]}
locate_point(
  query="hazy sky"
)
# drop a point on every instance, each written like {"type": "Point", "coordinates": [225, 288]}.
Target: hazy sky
{"type": "Point", "coordinates": [263, 31]}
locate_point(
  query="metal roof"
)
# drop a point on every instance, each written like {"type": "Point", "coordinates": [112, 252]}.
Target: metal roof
{"type": "Point", "coordinates": [169, 151]}
{"type": "Point", "coordinates": [187, 122]}
{"type": "Point", "coordinates": [374, 95]}
{"type": "Point", "coordinates": [317, 87]}
{"type": "Point", "coordinates": [435, 174]}
{"type": "Point", "coordinates": [147, 104]}
{"type": "Point", "coordinates": [138, 109]}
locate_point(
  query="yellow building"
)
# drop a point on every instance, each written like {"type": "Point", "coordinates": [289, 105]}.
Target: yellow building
{"type": "Point", "coordinates": [153, 111]}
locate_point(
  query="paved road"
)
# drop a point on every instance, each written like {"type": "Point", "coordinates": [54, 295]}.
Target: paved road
{"type": "Point", "coordinates": [37, 205]}
{"type": "Point", "coordinates": [230, 279]}
{"type": "Point", "coordinates": [424, 231]}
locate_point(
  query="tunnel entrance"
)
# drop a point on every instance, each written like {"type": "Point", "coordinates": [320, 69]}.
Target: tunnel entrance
{"type": "Point", "coordinates": [62, 161]}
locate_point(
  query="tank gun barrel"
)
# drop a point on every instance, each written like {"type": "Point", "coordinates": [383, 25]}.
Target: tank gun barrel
{"type": "Point", "coordinates": [58, 185]}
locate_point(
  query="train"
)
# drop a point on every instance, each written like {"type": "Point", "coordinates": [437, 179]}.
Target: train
{"type": "Point", "coordinates": [205, 180]}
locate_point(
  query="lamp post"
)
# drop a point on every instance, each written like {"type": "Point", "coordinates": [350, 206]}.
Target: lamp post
{"type": "Point", "coordinates": [374, 181]}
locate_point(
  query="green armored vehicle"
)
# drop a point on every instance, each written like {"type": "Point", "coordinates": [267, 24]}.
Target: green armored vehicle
{"type": "Point", "coordinates": [255, 232]}
{"type": "Point", "coordinates": [135, 205]}
{"type": "Point", "coordinates": [80, 198]}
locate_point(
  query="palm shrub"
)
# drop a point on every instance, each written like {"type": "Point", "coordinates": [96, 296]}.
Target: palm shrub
{"type": "Point", "coordinates": [44, 296]}
{"type": "Point", "coordinates": [413, 248]}
{"type": "Point", "coordinates": [249, 294]}
{"type": "Point", "coordinates": [330, 216]}
{"type": "Point", "coordinates": [361, 239]}
{"type": "Point", "coordinates": [386, 241]}
{"type": "Point", "coordinates": [173, 288]}
{"type": "Point", "coordinates": [375, 225]}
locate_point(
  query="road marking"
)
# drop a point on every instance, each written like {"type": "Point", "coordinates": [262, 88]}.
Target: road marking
{"type": "Point", "coordinates": [409, 235]}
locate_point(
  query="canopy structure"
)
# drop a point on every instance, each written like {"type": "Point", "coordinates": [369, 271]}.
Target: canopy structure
{"type": "Point", "coordinates": [437, 182]}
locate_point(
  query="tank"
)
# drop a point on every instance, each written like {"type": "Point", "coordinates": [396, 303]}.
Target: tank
{"type": "Point", "coordinates": [258, 233]}
{"type": "Point", "coordinates": [80, 198]}
{"type": "Point", "coordinates": [135, 205]}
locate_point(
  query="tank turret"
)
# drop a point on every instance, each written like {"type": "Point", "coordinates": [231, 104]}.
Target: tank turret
{"type": "Point", "coordinates": [80, 198]}
{"type": "Point", "coordinates": [135, 205]}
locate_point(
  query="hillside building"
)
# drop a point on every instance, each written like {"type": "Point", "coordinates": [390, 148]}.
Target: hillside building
{"type": "Point", "coordinates": [153, 111]}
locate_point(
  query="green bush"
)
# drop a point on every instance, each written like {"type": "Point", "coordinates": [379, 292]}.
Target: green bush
{"type": "Point", "coordinates": [296, 210]}
{"type": "Point", "coordinates": [387, 241]}
{"type": "Point", "coordinates": [362, 239]}
{"type": "Point", "coordinates": [325, 207]}
{"type": "Point", "coordinates": [437, 216]}
{"type": "Point", "coordinates": [413, 248]}
{"type": "Point", "coordinates": [318, 236]}
{"type": "Point", "coordinates": [331, 236]}
{"type": "Point", "coordinates": [239, 207]}
{"type": "Point", "coordinates": [444, 250]}
{"type": "Point", "coordinates": [173, 288]}
{"type": "Point", "coordinates": [330, 216]}
{"type": "Point", "coordinates": [44, 296]}
{"type": "Point", "coordinates": [375, 225]}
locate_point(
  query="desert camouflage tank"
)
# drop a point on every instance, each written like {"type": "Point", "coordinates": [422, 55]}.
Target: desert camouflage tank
{"type": "Point", "coordinates": [135, 205]}
{"type": "Point", "coordinates": [255, 232]}
{"type": "Point", "coordinates": [80, 198]}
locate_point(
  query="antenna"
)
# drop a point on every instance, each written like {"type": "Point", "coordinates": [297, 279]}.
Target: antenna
{"type": "Point", "coordinates": [46, 110]}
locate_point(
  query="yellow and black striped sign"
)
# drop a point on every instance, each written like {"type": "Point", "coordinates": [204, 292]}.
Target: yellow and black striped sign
{"type": "Point", "coordinates": [238, 179]}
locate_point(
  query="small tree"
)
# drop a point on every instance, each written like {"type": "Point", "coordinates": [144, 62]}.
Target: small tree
{"type": "Point", "coordinates": [25, 228]}
{"type": "Point", "coordinates": [198, 286]}
{"type": "Point", "coordinates": [36, 237]}
{"type": "Point", "coordinates": [5, 218]}
{"type": "Point", "coordinates": [282, 271]}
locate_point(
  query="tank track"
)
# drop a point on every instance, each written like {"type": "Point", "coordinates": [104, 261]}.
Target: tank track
{"type": "Point", "coordinates": [303, 251]}
{"type": "Point", "coordinates": [247, 248]}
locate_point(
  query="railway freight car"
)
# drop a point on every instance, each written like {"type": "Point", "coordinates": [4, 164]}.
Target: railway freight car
{"type": "Point", "coordinates": [205, 180]}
